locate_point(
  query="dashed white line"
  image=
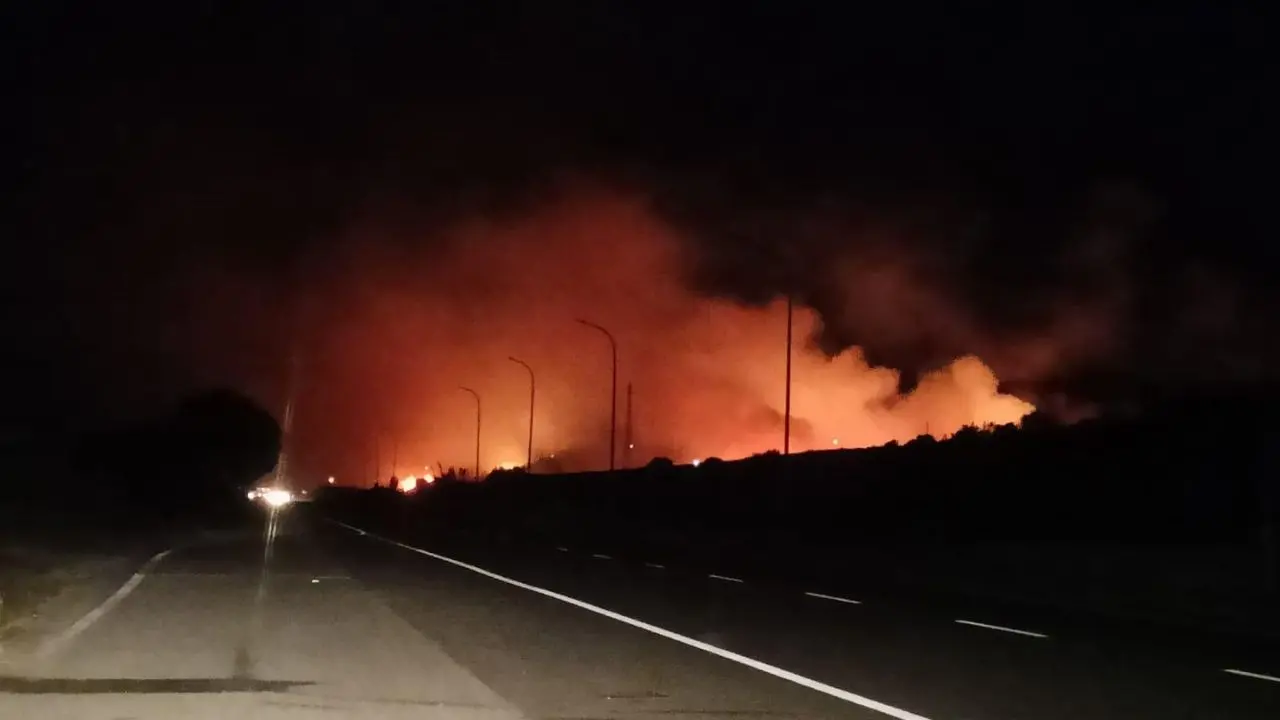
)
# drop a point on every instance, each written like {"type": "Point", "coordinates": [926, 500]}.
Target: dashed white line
{"type": "Point", "coordinates": [1255, 676]}
{"type": "Point", "coordinates": [1001, 628]}
{"type": "Point", "coordinates": [598, 556]}
{"type": "Point", "coordinates": [563, 549]}
{"type": "Point", "coordinates": [655, 566]}
{"type": "Point", "coordinates": [801, 680]}
{"type": "Point", "coordinates": [835, 598]}
{"type": "Point", "coordinates": [725, 578]}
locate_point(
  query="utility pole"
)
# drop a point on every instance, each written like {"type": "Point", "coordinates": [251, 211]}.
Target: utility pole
{"type": "Point", "coordinates": [286, 426]}
{"type": "Point", "coordinates": [786, 419]}
{"type": "Point", "coordinates": [626, 452]}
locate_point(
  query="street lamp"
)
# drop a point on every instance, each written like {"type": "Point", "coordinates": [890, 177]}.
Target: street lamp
{"type": "Point", "coordinates": [532, 387]}
{"type": "Point", "coordinates": [613, 391]}
{"type": "Point", "coordinates": [475, 395]}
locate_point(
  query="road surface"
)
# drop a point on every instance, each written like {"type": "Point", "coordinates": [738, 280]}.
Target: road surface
{"type": "Point", "coordinates": [333, 623]}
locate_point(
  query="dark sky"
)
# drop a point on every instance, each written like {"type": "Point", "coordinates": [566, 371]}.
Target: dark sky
{"type": "Point", "coordinates": [189, 178]}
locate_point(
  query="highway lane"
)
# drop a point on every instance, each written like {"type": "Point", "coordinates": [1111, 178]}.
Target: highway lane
{"type": "Point", "coordinates": [330, 624]}
{"type": "Point", "coordinates": [223, 628]}
{"type": "Point", "coordinates": [557, 661]}
{"type": "Point", "coordinates": [968, 663]}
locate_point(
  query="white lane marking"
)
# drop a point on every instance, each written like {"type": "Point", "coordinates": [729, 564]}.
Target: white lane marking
{"type": "Point", "coordinates": [1001, 628]}
{"type": "Point", "coordinates": [56, 643]}
{"type": "Point", "coordinates": [598, 556]}
{"type": "Point", "coordinates": [655, 566]}
{"type": "Point", "coordinates": [752, 663]}
{"type": "Point", "coordinates": [563, 549]}
{"type": "Point", "coordinates": [725, 578]}
{"type": "Point", "coordinates": [1255, 676]}
{"type": "Point", "coordinates": [836, 598]}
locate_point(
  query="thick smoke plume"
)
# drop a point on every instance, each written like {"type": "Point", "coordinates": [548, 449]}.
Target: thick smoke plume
{"type": "Point", "coordinates": [407, 319]}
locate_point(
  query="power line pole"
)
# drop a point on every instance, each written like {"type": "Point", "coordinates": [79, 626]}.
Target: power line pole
{"type": "Point", "coordinates": [626, 452]}
{"type": "Point", "coordinates": [786, 420]}
{"type": "Point", "coordinates": [286, 426]}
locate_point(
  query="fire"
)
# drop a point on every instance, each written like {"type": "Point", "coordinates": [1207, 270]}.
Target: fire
{"type": "Point", "coordinates": [698, 376]}
{"type": "Point", "coordinates": [408, 484]}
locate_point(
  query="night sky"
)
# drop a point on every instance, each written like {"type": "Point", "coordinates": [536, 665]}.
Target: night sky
{"type": "Point", "coordinates": [406, 194]}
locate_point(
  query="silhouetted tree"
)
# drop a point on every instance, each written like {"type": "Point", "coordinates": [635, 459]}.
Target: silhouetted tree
{"type": "Point", "coordinates": [221, 437]}
{"type": "Point", "coordinates": [660, 463]}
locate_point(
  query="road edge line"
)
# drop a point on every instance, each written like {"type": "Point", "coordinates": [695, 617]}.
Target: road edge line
{"type": "Point", "coordinates": [58, 642]}
{"type": "Point", "coordinates": [795, 678]}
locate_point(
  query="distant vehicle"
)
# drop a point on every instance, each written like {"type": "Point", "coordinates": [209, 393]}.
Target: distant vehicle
{"type": "Point", "coordinates": [271, 496]}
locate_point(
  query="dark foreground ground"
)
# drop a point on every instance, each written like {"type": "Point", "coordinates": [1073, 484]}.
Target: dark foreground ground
{"type": "Point", "coordinates": [335, 623]}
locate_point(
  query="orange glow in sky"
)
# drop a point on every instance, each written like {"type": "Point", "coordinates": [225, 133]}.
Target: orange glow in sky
{"type": "Point", "coordinates": [410, 326]}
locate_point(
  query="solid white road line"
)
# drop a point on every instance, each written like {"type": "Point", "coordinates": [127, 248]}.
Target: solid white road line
{"type": "Point", "coordinates": [1255, 676]}
{"type": "Point", "coordinates": [56, 643]}
{"type": "Point", "coordinates": [752, 663]}
{"type": "Point", "coordinates": [1001, 628]}
{"type": "Point", "coordinates": [726, 578]}
{"type": "Point", "coordinates": [598, 556]}
{"type": "Point", "coordinates": [836, 598]}
{"type": "Point", "coordinates": [655, 566]}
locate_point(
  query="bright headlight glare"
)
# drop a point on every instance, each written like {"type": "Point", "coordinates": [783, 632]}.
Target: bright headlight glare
{"type": "Point", "coordinates": [276, 498]}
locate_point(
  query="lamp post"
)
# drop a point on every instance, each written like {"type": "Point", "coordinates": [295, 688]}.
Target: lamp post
{"type": "Point", "coordinates": [613, 391]}
{"type": "Point", "coordinates": [476, 395]}
{"type": "Point", "coordinates": [532, 389]}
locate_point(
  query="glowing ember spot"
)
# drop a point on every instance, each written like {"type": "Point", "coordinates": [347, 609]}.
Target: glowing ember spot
{"type": "Point", "coordinates": [696, 462]}
{"type": "Point", "coordinates": [408, 484]}
{"type": "Point", "coordinates": [429, 479]}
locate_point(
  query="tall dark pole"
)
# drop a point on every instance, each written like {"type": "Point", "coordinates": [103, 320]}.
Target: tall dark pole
{"type": "Point", "coordinates": [613, 393]}
{"type": "Point", "coordinates": [528, 466]}
{"type": "Point", "coordinates": [628, 440]}
{"type": "Point", "coordinates": [786, 417]}
{"type": "Point", "coordinates": [476, 395]}
{"type": "Point", "coordinates": [286, 429]}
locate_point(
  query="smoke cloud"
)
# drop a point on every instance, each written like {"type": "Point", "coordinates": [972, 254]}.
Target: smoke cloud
{"type": "Point", "coordinates": [410, 319]}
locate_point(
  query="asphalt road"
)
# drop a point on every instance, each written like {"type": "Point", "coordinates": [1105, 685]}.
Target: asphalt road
{"type": "Point", "coordinates": [337, 624]}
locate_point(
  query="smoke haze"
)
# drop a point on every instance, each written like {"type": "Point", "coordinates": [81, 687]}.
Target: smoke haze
{"type": "Point", "coordinates": [404, 329]}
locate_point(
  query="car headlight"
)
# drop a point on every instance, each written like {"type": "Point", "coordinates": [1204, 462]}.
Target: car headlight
{"type": "Point", "coordinates": [277, 498]}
